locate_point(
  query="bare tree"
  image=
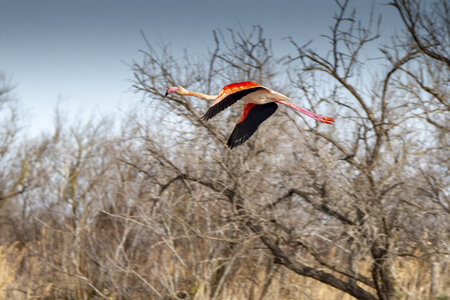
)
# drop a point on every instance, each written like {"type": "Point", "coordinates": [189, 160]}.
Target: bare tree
{"type": "Point", "coordinates": [359, 188]}
{"type": "Point", "coordinates": [8, 134]}
{"type": "Point", "coordinates": [428, 27]}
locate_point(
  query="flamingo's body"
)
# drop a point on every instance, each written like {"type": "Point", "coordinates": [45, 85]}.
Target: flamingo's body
{"type": "Point", "coordinates": [261, 103]}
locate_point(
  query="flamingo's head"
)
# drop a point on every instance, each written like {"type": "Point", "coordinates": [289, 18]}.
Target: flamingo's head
{"type": "Point", "coordinates": [176, 89]}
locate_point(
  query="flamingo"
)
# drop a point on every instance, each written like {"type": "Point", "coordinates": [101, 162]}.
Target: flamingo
{"type": "Point", "coordinates": [261, 103]}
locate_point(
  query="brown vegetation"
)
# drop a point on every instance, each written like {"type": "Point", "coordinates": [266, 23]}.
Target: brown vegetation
{"type": "Point", "coordinates": [162, 208]}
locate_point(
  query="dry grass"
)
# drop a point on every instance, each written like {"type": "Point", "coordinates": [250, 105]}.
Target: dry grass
{"type": "Point", "coordinates": [8, 279]}
{"type": "Point", "coordinates": [6, 271]}
{"type": "Point", "coordinates": [42, 280]}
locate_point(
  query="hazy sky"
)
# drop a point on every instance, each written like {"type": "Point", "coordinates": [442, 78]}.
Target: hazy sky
{"type": "Point", "coordinates": [76, 50]}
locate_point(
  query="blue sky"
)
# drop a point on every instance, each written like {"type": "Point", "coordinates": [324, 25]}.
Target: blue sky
{"type": "Point", "coordinates": [77, 51]}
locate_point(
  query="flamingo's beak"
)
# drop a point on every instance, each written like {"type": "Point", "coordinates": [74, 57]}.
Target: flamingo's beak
{"type": "Point", "coordinates": [171, 90]}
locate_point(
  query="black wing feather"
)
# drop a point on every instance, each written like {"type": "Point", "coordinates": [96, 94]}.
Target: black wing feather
{"type": "Point", "coordinates": [245, 129]}
{"type": "Point", "coordinates": [227, 101]}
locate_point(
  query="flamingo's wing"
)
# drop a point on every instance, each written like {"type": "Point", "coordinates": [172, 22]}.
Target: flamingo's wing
{"type": "Point", "coordinates": [229, 95]}
{"type": "Point", "coordinates": [252, 117]}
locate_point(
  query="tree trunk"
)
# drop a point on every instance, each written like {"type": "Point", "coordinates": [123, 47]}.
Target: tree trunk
{"type": "Point", "coordinates": [381, 273]}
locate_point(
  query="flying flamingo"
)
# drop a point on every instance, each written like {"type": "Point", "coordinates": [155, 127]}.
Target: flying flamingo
{"type": "Point", "coordinates": [261, 103]}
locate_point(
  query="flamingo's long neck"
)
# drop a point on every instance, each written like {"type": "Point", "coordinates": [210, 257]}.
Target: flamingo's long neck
{"type": "Point", "coordinates": [202, 96]}
{"type": "Point", "coordinates": [328, 120]}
